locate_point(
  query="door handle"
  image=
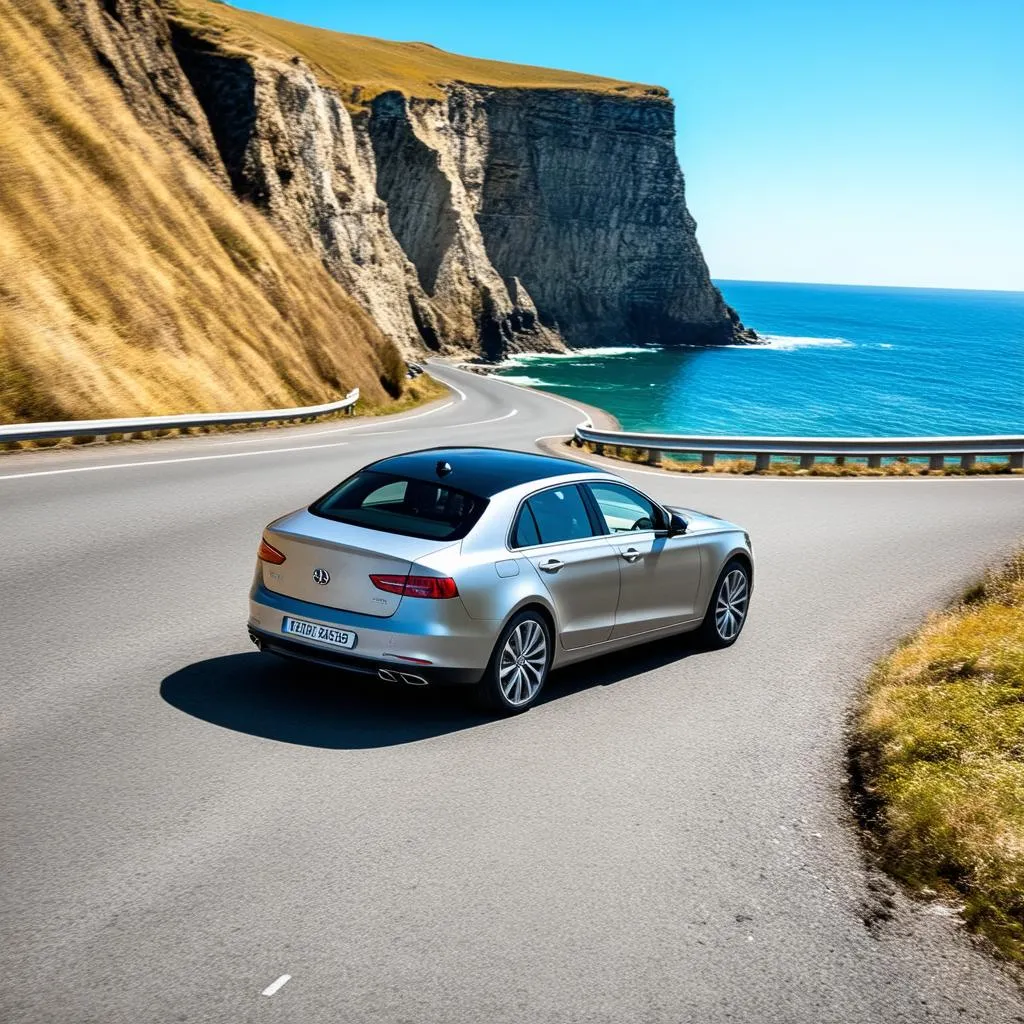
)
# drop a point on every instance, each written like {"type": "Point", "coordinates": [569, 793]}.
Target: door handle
{"type": "Point", "coordinates": [551, 565]}
{"type": "Point", "coordinates": [631, 554]}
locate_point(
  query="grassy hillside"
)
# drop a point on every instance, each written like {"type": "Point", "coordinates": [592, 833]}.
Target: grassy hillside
{"type": "Point", "coordinates": [361, 67]}
{"type": "Point", "coordinates": [130, 282]}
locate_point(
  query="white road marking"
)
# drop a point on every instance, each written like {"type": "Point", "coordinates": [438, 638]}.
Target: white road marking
{"type": "Point", "coordinates": [453, 426]}
{"type": "Point", "coordinates": [272, 988]}
{"type": "Point", "coordinates": [448, 383]}
{"type": "Point", "coordinates": [522, 387]}
{"type": "Point", "coordinates": [480, 423]}
{"type": "Point", "coordinates": [337, 430]}
{"type": "Point", "coordinates": [238, 455]}
{"type": "Point", "coordinates": [167, 462]}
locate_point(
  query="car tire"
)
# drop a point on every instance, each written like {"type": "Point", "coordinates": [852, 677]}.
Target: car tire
{"type": "Point", "coordinates": [519, 665]}
{"type": "Point", "coordinates": [729, 599]}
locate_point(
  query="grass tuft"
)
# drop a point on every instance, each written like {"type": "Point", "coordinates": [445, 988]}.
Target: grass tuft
{"type": "Point", "coordinates": [938, 757]}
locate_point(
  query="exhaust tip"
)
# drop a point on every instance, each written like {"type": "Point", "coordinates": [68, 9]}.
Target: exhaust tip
{"type": "Point", "coordinates": [387, 675]}
{"type": "Point", "coordinates": [412, 680]}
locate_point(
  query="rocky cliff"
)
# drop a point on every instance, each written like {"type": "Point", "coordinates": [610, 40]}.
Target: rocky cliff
{"type": "Point", "coordinates": [463, 215]}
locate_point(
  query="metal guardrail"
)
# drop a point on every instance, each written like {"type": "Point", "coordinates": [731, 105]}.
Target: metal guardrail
{"type": "Point", "coordinates": [140, 424]}
{"type": "Point", "coordinates": [807, 449]}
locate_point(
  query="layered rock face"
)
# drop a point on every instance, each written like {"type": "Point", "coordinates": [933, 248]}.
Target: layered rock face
{"type": "Point", "coordinates": [494, 220]}
{"type": "Point", "coordinates": [583, 199]}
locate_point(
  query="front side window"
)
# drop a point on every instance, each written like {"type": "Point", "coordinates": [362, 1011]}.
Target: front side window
{"type": "Point", "coordinates": [625, 510]}
{"type": "Point", "coordinates": [555, 515]}
{"type": "Point", "coordinates": [394, 504]}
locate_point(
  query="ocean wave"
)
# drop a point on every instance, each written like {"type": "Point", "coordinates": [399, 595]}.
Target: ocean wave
{"type": "Point", "coordinates": [524, 358]}
{"type": "Point", "coordinates": [784, 343]}
{"type": "Point", "coordinates": [530, 382]}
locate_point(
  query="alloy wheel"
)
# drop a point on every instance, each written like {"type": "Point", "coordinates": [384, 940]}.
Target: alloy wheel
{"type": "Point", "coordinates": [731, 606]}
{"type": "Point", "coordinates": [523, 662]}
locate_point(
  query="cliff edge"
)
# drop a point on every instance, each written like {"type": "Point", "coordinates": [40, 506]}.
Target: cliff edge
{"type": "Point", "coordinates": [466, 205]}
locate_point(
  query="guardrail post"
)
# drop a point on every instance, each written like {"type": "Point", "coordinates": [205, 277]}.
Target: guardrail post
{"type": "Point", "coordinates": [936, 461]}
{"type": "Point", "coordinates": [874, 462]}
{"type": "Point", "coordinates": [1017, 460]}
{"type": "Point", "coordinates": [840, 460]}
{"type": "Point", "coordinates": [598, 448]}
{"type": "Point", "coordinates": [806, 461]}
{"type": "Point", "coordinates": [653, 456]}
{"type": "Point", "coordinates": [762, 462]}
{"type": "Point", "coordinates": [707, 459]}
{"type": "Point", "coordinates": [967, 461]}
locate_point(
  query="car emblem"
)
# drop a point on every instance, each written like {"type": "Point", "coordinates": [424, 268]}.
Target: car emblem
{"type": "Point", "coordinates": [321, 576]}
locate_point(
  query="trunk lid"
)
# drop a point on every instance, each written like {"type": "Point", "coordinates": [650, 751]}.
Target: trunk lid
{"type": "Point", "coordinates": [347, 554]}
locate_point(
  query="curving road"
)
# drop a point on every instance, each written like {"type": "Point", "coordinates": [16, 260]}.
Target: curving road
{"type": "Point", "coordinates": [664, 839]}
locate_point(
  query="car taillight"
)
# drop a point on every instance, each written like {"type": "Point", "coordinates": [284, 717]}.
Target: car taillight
{"type": "Point", "coordinates": [267, 553]}
{"type": "Point", "coordinates": [438, 587]}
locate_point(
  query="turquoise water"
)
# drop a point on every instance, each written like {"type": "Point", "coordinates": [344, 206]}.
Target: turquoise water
{"type": "Point", "coordinates": [839, 360]}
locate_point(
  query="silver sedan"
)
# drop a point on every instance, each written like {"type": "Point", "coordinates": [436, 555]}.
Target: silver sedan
{"type": "Point", "coordinates": [490, 568]}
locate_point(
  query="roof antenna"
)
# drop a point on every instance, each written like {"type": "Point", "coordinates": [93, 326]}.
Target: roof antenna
{"type": "Point", "coordinates": [443, 468]}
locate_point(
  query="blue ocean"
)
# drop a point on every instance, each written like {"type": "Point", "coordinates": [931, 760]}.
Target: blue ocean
{"type": "Point", "coordinates": [838, 360]}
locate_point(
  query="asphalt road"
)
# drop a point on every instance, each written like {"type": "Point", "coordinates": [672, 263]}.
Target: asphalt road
{"type": "Point", "coordinates": [664, 839]}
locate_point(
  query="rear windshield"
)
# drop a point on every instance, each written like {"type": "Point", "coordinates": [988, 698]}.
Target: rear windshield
{"type": "Point", "coordinates": [396, 504]}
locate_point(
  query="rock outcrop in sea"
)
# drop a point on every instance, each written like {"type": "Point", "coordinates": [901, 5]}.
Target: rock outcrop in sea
{"type": "Point", "coordinates": [488, 219]}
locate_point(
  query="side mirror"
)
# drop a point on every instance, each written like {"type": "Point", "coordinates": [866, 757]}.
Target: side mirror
{"type": "Point", "coordinates": [677, 525]}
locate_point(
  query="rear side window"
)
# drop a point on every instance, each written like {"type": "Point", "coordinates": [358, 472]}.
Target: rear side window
{"type": "Point", "coordinates": [393, 504]}
{"type": "Point", "coordinates": [558, 514]}
{"type": "Point", "coordinates": [525, 533]}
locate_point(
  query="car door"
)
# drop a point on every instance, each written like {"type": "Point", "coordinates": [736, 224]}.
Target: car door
{"type": "Point", "coordinates": [579, 570]}
{"type": "Point", "coordinates": [659, 575]}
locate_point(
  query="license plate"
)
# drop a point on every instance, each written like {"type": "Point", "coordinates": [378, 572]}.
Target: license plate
{"type": "Point", "coordinates": [321, 634]}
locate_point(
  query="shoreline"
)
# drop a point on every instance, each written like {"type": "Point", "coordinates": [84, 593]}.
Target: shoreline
{"type": "Point", "coordinates": [779, 466]}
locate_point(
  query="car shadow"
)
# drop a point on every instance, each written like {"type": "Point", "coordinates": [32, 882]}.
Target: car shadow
{"type": "Point", "coordinates": [294, 702]}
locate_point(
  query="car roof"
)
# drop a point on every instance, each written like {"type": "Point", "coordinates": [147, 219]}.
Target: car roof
{"type": "Point", "coordinates": [480, 471]}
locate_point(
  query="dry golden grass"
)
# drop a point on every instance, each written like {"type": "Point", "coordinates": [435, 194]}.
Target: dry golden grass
{"type": "Point", "coordinates": [130, 282]}
{"type": "Point", "coordinates": [361, 67]}
{"type": "Point", "coordinates": [939, 757]}
{"type": "Point", "coordinates": [415, 393]}
{"type": "Point", "coordinates": [821, 468]}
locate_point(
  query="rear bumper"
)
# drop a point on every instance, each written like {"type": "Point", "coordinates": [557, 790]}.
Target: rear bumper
{"type": "Point", "coordinates": [449, 647]}
{"type": "Point", "coordinates": [288, 648]}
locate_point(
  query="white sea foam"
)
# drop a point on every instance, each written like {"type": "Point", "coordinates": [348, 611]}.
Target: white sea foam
{"type": "Point", "coordinates": [524, 358]}
{"type": "Point", "coordinates": [784, 343]}
{"type": "Point", "coordinates": [530, 382]}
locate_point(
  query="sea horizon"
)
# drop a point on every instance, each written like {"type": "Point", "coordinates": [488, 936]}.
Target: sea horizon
{"type": "Point", "coordinates": [720, 281]}
{"type": "Point", "coordinates": [835, 360]}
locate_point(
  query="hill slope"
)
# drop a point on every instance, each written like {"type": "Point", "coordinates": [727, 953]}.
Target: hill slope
{"type": "Point", "coordinates": [130, 281]}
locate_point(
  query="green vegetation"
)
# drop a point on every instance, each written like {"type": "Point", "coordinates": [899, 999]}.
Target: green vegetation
{"type": "Point", "coordinates": [131, 283]}
{"type": "Point", "coordinates": [849, 467]}
{"type": "Point", "coordinates": [360, 67]}
{"type": "Point", "coordinates": [938, 757]}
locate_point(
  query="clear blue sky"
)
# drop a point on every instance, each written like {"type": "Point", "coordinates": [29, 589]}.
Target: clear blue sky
{"type": "Point", "coordinates": [871, 142]}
